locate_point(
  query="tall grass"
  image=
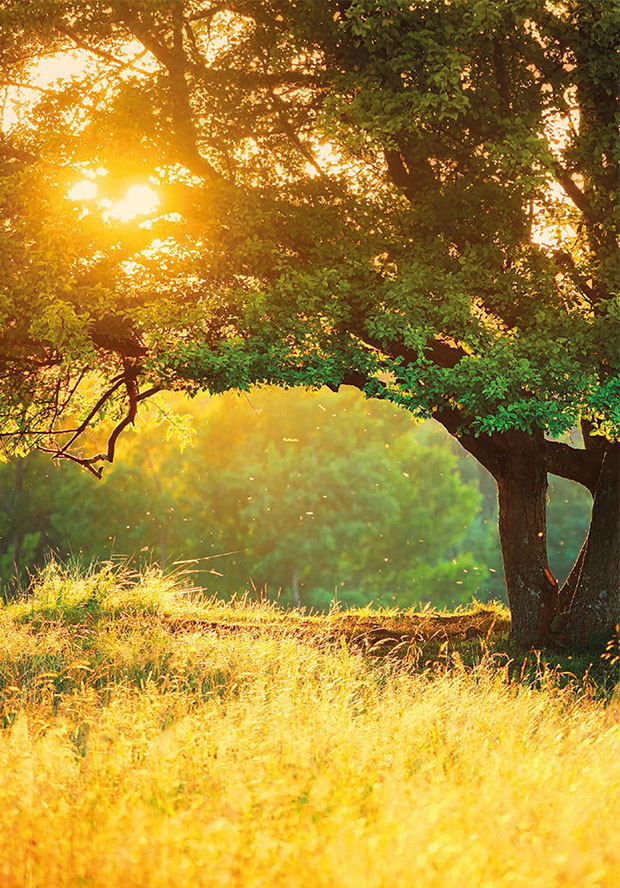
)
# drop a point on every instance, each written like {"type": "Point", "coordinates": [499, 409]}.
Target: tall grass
{"type": "Point", "coordinates": [132, 755]}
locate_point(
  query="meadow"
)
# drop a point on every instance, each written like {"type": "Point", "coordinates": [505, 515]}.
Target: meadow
{"type": "Point", "coordinates": [150, 737]}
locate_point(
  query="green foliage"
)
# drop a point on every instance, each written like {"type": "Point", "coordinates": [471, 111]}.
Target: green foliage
{"type": "Point", "coordinates": [270, 492]}
{"type": "Point", "coordinates": [397, 175]}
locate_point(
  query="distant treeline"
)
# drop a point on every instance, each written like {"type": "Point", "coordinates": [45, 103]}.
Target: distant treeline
{"type": "Point", "coordinates": [315, 496]}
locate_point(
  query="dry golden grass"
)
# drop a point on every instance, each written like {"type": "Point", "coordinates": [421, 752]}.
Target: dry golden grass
{"type": "Point", "coordinates": [133, 755]}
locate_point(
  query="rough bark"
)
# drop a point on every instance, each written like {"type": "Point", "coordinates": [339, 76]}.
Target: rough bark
{"type": "Point", "coordinates": [595, 606]}
{"type": "Point", "coordinates": [581, 466]}
{"type": "Point", "coordinates": [522, 496]}
{"type": "Point", "coordinates": [518, 462]}
{"type": "Point", "coordinates": [567, 592]}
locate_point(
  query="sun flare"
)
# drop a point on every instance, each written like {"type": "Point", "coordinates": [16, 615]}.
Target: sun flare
{"type": "Point", "coordinates": [83, 191]}
{"type": "Point", "coordinates": [139, 200]}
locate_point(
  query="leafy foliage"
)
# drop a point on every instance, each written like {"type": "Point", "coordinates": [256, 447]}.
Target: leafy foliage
{"type": "Point", "coordinates": [269, 492]}
{"type": "Point", "coordinates": [346, 189]}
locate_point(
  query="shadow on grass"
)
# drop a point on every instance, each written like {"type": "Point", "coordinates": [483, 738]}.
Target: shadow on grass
{"type": "Point", "coordinates": [121, 626]}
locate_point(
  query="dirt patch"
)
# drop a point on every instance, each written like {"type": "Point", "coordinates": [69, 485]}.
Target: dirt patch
{"type": "Point", "coordinates": [374, 634]}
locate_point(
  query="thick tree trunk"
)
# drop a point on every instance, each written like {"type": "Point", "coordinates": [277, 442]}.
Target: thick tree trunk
{"type": "Point", "coordinates": [522, 496]}
{"type": "Point", "coordinates": [518, 462]}
{"type": "Point", "coordinates": [595, 606]}
{"type": "Point", "coordinates": [587, 608]}
{"type": "Point", "coordinates": [295, 588]}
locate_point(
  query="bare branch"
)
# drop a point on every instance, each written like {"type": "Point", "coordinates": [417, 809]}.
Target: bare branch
{"type": "Point", "coordinates": [117, 383]}
{"type": "Point", "coordinates": [90, 462]}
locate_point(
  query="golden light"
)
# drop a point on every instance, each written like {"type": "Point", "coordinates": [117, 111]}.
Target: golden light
{"type": "Point", "coordinates": [84, 190]}
{"type": "Point", "coordinates": [139, 200]}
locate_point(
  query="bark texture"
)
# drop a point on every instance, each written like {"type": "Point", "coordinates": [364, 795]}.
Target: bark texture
{"type": "Point", "coordinates": [522, 496]}
{"type": "Point", "coordinates": [595, 607]}
{"type": "Point", "coordinates": [519, 463]}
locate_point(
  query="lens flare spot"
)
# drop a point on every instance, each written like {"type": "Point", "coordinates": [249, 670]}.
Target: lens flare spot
{"type": "Point", "coordinates": [140, 200]}
{"type": "Point", "coordinates": [84, 190]}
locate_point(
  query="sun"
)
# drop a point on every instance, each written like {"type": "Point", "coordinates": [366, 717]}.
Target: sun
{"type": "Point", "coordinates": [83, 191]}
{"type": "Point", "coordinates": [139, 200]}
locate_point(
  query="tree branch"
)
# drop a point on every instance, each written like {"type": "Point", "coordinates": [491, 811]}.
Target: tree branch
{"type": "Point", "coordinates": [117, 383]}
{"type": "Point", "coordinates": [573, 191]}
{"type": "Point", "coordinates": [489, 450]}
{"type": "Point", "coordinates": [90, 463]}
{"type": "Point", "coordinates": [101, 53]}
{"type": "Point", "coordinates": [174, 61]}
{"type": "Point", "coordinates": [566, 261]}
{"type": "Point", "coordinates": [582, 466]}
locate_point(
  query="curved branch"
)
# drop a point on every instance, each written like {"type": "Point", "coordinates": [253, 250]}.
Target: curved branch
{"type": "Point", "coordinates": [582, 466]}
{"type": "Point", "coordinates": [90, 462]}
{"type": "Point", "coordinates": [117, 383]}
{"type": "Point", "coordinates": [489, 450]}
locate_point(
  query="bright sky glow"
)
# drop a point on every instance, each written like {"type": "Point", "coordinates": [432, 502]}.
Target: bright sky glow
{"type": "Point", "coordinates": [84, 190]}
{"type": "Point", "coordinates": [139, 200]}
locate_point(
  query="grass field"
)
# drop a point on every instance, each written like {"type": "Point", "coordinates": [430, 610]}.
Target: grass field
{"type": "Point", "coordinates": [151, 738]}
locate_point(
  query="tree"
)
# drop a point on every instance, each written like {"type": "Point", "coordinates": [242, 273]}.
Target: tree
{"type": "Point", "coordinates": [317, 524]}
{"type": "Point", "coordinates": [414, 198]}
{"type": "Point", "coordinates": [270, 495]}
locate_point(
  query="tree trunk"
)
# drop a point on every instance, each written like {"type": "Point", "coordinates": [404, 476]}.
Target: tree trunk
{"type": "Point", "coordinates": [567, 592]}
{"type": "Point", "coordinates": [518, 462]}
{"type": "Point", "coordinates": [595, 607]}
{"type": "Point", "coordinates": [522, 496]}
{"type": "Point", "coordinates": [295, 588]}
{"type": "Point", "coordinates": [587, 609]}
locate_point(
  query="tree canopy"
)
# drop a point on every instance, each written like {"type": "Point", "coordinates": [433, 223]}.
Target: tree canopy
{"type": "Point", "coordinates": [415, 198]}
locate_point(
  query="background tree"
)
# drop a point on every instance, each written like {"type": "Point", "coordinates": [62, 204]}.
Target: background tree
{"type": "Point", "coordinates": [271, 495]}
{"type": "Point", "coordinates": [268, 492]}
{"type": "Point", "coordinates": [417, 199]}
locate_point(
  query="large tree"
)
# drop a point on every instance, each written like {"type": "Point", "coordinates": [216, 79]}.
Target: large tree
{"type": "Point", "coordinates": [415, 198]}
